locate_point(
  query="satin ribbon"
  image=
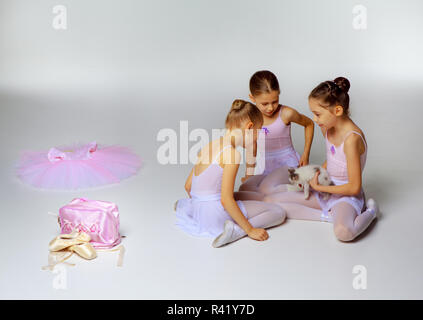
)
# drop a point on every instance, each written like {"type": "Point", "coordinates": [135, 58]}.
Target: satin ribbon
{"type": "Point", "coordinates": [121, 250]}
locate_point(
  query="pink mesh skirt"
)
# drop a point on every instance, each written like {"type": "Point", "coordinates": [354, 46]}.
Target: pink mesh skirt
{"type": "Point", "coordinates": [77, 166]}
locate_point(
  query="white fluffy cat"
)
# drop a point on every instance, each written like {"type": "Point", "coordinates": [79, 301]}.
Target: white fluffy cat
{"type": "Point", "coordinates": [299, 179]}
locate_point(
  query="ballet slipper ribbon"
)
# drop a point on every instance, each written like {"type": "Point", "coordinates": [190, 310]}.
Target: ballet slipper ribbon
{"type": "Point", "coordinates": [51, 264]}
{"type": "Point", "coordinates": [55, 215]}
{"type": "Point", "coordinates": [121, 250]}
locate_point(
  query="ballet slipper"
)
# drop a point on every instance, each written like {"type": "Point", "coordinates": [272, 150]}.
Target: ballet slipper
{"type": "Point", "coordinates": [373, 207]}
{"type": "Point", "coordinates": [64, 241]}
{"type": "Point", "coordinates": [75, 242]}
{"type": "Point", "coordinates": [84, 250]}
{"type": "Point", "coordinates": [227, 236]}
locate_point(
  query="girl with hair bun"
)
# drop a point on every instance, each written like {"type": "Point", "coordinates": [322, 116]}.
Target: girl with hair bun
{"type": "Point", "coordinates": [346, 151]}
{"type": "Point", "coordinates": [211, 209]}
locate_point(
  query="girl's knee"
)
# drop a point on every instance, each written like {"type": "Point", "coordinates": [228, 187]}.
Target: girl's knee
{"type": "Point", "coordinates": [343, 233]}
{"type": "Point", "coordinates": [279, 212]}
{"type": "Point", "coordinates": [282, 214]}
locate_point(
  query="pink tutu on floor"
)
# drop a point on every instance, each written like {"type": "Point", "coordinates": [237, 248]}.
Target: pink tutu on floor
{"type": "Point", "coordinates": [78, 166]}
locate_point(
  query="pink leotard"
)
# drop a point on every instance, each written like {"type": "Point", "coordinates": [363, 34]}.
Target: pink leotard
{"type": "Point", "coordinates": [278, 136]}
{"type": "Point", "coordinates": [203, 214]}
{"type": "Point", "coordinates": [336, 160]}
{"type": "Point", "coordinates": [337, 168]}
{"type": "Point", "coordinates": [279, 150]}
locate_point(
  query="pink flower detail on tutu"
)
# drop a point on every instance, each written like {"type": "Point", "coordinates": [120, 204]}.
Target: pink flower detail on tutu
{"type": "Point", "coordinates": [332, 149]}
{"type": "Point", "coordinates": [56, 155]}
{"type": "Point", "coordinates": [92, 147]}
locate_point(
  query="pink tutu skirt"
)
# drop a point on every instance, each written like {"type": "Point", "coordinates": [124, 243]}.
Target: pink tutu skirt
{"type": "Point", "coordinates": [358, 202]}
{"type": "Point", "coordinates": [203, 216]}
{"type": "Point", "coordinates": [77, 166]}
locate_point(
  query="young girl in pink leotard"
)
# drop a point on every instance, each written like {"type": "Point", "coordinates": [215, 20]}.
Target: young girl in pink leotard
{"type": "Point", "coordinates": [279, 151]}
{"type": "Point", "coordinates": [346, 151]}
{"type": "Point", "coordinates": [211, 209]}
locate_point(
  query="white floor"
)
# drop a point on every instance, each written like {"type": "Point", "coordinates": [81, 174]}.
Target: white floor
{"type": "Point", "coordinates": [301, 259]}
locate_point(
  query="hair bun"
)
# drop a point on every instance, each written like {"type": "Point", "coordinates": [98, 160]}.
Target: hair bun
{"type": "Point", "coordinates": [343, 84]}
{"type": "Point", "coordinates": [237, 104]}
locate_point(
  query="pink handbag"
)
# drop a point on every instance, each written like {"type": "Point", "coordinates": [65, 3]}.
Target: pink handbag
{"type": "Point", "coordinates": [99, 219]}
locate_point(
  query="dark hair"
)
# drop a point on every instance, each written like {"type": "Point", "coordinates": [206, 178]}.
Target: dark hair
{"type": "Point", "coordinates": [263, 82]}
{"type": "Point", "coordinates": [241, 111]}
{"type": "Point", "coordinates": [333, 93]}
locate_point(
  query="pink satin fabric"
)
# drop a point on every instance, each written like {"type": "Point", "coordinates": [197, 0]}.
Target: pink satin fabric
{"type": "Point", "coordinates": [99, 219]}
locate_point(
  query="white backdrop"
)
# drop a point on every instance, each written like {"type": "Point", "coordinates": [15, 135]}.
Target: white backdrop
{"type": "Point", "coordinates": [124, 70]}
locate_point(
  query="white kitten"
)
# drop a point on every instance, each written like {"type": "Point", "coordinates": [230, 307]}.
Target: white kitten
{"type": "Point", "coordinates": [299, 179]}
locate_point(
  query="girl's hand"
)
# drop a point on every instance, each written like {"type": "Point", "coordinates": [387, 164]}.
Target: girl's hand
{"type": "Point", "coordinates": [303, 160]}
{"type": "Point", "coordinates": [258, 234]}
{"type": "Point", "coordinates": [314, 183]}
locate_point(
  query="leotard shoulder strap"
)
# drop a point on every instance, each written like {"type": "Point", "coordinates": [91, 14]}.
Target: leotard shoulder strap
{"type": "Point", "coordinates": [220, 152]}
{"type": "Point", "coordinates": [352, 131]}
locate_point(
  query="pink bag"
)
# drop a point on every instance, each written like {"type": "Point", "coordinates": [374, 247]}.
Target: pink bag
{"type": "Point", "coordinates": [99, 219]}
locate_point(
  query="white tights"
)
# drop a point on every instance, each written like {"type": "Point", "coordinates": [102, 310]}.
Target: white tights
{"type": "Point", "coordinates": [261, 215]}
{"type": "Point", "coordinates": [346, 223]}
